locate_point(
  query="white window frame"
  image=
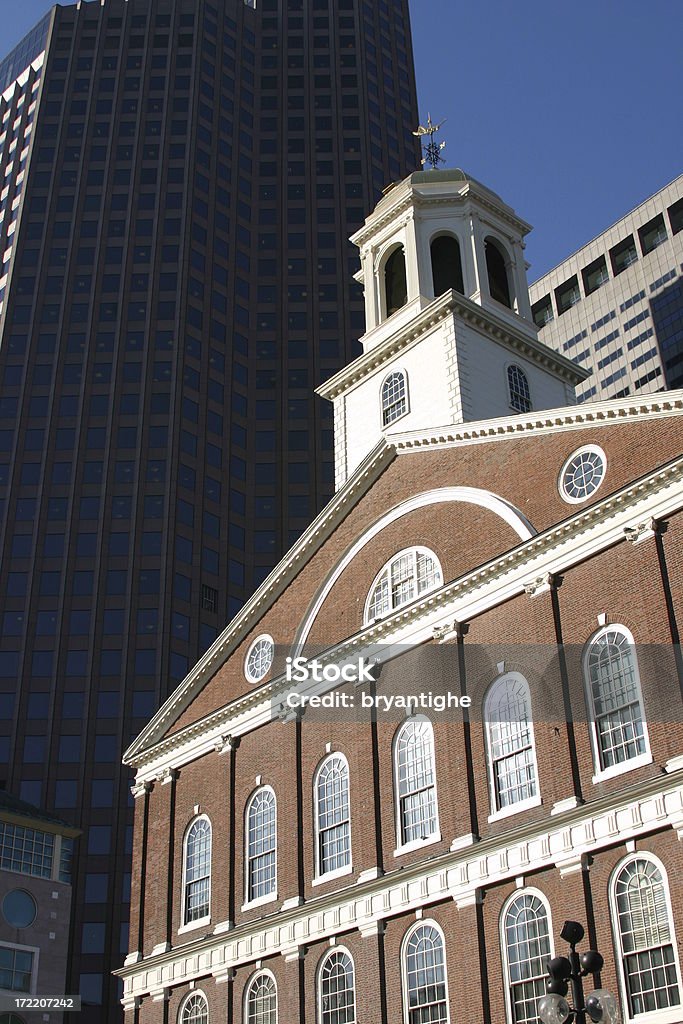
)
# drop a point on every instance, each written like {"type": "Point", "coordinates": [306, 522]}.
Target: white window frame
{"type": "Point", "coordinates": [671, 1014]}
{"type": "Point", "coordinates": [497, 811]}
{"type": "Point", "coordinates": [435, 836]}
{"type": "Point", "coordinates": [426, 923]}
{"type": "Point", "coordinates": [181, 1009]}
{"type": "Point", "coordinates": [319, 988]}
{"type": "Point", "coordinates": [526, 891]}
{"type": "Point", "coordinates": [586, 449]}
{"type": "Point", "coordinates": [414, 551]}
{"type": "Point", "coordinates": [640, 759]}
{"type": "Point", "coordinates": [248, 674]}
{"type": "Point", "coordinates": [249, 986]}
{"type": "Point", "coordinates": [186, 925]}
{"type": "Point", "coordinates": [271, 896]}
{"type": "Point", "coordinates": [396, 371]}
{"type": "Point", "coordinates": [510, 367]}
{"type": "Point", "coordinates": [346, 869]}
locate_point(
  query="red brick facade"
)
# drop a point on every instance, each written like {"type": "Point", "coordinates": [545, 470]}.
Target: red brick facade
{"type": "Point", "coordinates": [565, 845]}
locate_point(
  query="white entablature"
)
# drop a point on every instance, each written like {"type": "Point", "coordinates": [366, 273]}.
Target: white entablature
{"type": "Point", "coordinates": [449, 332]}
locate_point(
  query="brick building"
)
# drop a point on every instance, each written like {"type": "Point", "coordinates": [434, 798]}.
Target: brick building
{"type": "Point", "coordinates": [510, 564]}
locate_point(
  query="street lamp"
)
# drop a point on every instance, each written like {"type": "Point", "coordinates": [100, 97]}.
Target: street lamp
{"type": "Point", "coordinates": [600, 1007]}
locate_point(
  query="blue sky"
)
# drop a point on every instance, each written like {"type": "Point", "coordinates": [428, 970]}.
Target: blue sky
{"type": "Point", "coordinates": [571, 112]}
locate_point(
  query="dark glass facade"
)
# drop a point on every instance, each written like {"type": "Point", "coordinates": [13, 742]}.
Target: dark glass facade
{"type": "Point", "coordinates": [181, 180]}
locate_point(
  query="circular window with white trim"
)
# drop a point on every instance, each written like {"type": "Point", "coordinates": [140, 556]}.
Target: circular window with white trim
{"type": "Point", "coordinates": [582, 474]}
{"type": "Point", "coordinates": [259, 658]}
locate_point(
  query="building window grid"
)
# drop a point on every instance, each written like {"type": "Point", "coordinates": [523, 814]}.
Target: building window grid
{"type": "Point", "coordinates": [16, 969]}
{"type": "Point", "coordinates": [333, 815]}
{"type": "Point", "coordinates": [394, 398]}
{"type": "Point", "coordinates": [615, 699]}
{"type": "Point", "coordinates": [337, 989]}
{"type": "Point", "coordinates": [261, 845]}
{"type": "Point", "coordinates": [425, 974]}
{"type": "Point", "coordinates": [650, 970]}
{"type": "Point", "coordinates": [26, 850]}
{"type": "Point", "coordinates": [262, 1000]}
{"type": "Point", "coordinates": [526, 937]}
{"type": "Point", "coordinates": [416, 782]}
{"type": "Point", "coordinates": [518, 389]}
{"type": "Point", "coordinates": [194, 1011]}
{"type": "Point", "coordinates": [408, 575]}
{"type": "Point", "coordinates": [196, 902]}
{"type": "Point", "coordinates": [512, 757]}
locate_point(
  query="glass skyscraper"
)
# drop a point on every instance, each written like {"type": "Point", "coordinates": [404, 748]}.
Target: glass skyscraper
{"type": "Point", "coordinates": [179, 181]}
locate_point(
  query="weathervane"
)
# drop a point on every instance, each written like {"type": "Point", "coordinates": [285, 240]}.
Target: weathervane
{"type": "Point", "coordinates": [432, 152]}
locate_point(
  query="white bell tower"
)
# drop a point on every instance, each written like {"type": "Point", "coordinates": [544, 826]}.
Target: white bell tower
{"type": "Point", "coordinates": [449, 335]}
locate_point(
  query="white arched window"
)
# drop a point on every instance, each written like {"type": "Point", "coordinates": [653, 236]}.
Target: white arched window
{"type": "Point", "coordinates": [618, 729]}
{"type": "Point", "coordinates": [510, 744]}
{"type": "Point", "coordinates": [394, 397]}
{"type": "Point", "coordinates": [415, 782]}
{"type": "Point", "coordinates": [336, 989]}
{"type": "Point", "coordinates": [643, 927]}
{"type": "Point", "coordinates": [518, 389]}
{"type": "Point", "coordinates": [197, 872]}
{"type": "Point", "coordinates": [333, 815]}
{"type": "Point", "coordinates": [525, 935]}
{"type": "Point", "coordinates": [261, 1000]}
{"type": "Point", "coordinates": [408, 575]}
{"type": "Point", "coordinates": [425, 990]}
{"type": "Point", "coordinates": [261, 836]}
{"type": "Point", "coordinates": [194, 1010]}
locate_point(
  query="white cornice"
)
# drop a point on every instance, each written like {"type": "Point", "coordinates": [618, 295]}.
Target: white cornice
{"type": "Point", "coordinates": [457, 875]}
{"type": "Point", "coordinates": [451, 303]}
{"type": "Point", "coordinates": [591, 414]}
{"type": "Point", "coordinates": [655, 496]}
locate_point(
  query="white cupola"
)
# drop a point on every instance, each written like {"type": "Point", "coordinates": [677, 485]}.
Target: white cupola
{"type": "Point", "coordinates": [449, 336]}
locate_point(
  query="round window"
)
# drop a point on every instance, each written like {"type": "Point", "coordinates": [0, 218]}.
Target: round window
{"type": "Point", "coordinates": [259, 658]}
{"type": "Point", "coordinates": [19, 908]}
{"type": "Point", "coordinates": [582, 473]}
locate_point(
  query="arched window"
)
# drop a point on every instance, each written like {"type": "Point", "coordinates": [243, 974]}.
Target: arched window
{"type": "Point", "coordinates": [336, 989]}
{"type": "Point", "coordinates": [395, 284]}
{"type": "Point", "coordinates": [408, 575]}
{"type": "Point", "coordinates": [446, 265]}
{"type": "Point", "coordinates": [643, 927]}
{"type": "Point", "coordinates": [333, 815]}
{"type": "Point", "coordinates": [261, 1000]}
{"type": "Point", "coordinates": [261, 845]}
{"type": "Point", "coordinates": [415, 781]}
{"type": "Point", "coordinates": [194, 1010]}
{"type": "Point", "coordinates": [424, 976]}
{"type": "Point", "coordinates": [499, 285]}
{"type": "Point", "coordinates": [618, 729]}
{"type": "Point", "coordinates": [518, 389]}
{"type": "Point", "coordinates": [394, 397]}
{"type": "Point", "coordinates": [510, 742]}
{"type": "Point", "coordinates": [197, 871]}
{"type": "Point", "coordinates": [525, 930]}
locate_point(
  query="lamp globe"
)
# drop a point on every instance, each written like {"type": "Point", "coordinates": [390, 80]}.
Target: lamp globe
{"type": "Point", "coordinates": [553, 1009]}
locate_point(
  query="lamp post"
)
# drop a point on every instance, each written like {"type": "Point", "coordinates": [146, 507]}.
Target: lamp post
{"type": "Point", "coordinates": [600, 1007]}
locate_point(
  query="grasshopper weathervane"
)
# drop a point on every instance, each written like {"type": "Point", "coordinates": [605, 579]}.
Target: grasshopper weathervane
{"type": "Point", "coordinates": [432, 151]}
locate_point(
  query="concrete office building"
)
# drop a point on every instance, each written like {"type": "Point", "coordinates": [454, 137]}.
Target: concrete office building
{"type": "Point", "coordinates": [616, 305]}
{"type": "Point", "coordinates": [179, 181]}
